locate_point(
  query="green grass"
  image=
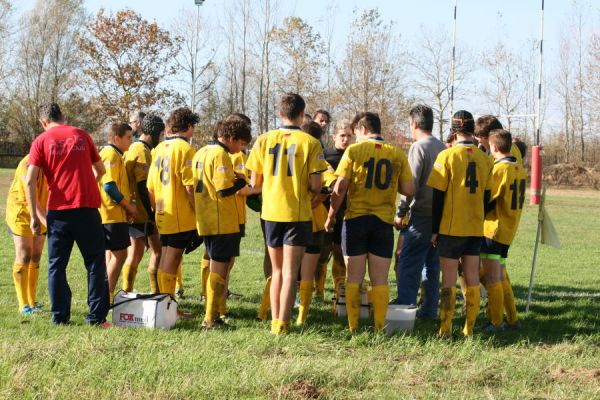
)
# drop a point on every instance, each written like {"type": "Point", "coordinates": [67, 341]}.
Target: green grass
{"type": "Point", "coordinates": [555, 356]}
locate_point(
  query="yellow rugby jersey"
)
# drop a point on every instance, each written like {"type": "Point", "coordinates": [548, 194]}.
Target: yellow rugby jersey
{"type": "Point", "coordinates": [463, 172]}
{"type": "Point", "coordinates": [170, 173]}
{"type": "Point", "coordinates": [213, 171]}
{"type": "Point", "coordinates": [509, 182]}
{"type": "Point", "coordinates": [112, 158]}
{"type": "Point", "coordinates": [137, 164]}
{"type": "Point", "coordinates": [374, 170]}
{"type": "Point", "coordinates": [239, 167]}
{"type": "Point", "coordinates": [18, 217]}
{"type": "Point", "coordinates": [514, 151]}
{"type": "Point", "coordinates": [285, 158]}
{"type": "Point", "coordinates": [320, 211]}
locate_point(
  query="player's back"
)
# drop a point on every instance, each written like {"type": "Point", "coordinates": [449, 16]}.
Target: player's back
{"type": "Point", "coordinates": [115, 172]}
{"type": "Point", "coordinates": [509, 182]}
{"type": "Point", "coordinates": [373, 168]}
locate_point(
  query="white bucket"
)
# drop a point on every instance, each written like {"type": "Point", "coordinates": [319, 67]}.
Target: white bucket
{"type": "Point", "coordinates": [340, 306]}
{"type": "Point", "coordinates": [400, 318]}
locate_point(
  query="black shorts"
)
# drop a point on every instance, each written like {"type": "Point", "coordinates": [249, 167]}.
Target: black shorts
{"type": "Point", "coordinates": [316, 242]}
{"type": "Point", "coordinates": [289, 233]}
{"type": "Point", "coordinates": [493, 248]}
{"type": "Point", "coordinates": [242, 230]}
{"type": "Point", "coordinates": [141, 230]}
{"type": "Point", "coordinates": [116, 236]}
{"type": "Point", "coordinates": [455, 247]}
{"type": "Point", "coordinates": [367, 234]}
{"type": "Point", "coordinates": [179, 240]}
{"type": "Point", "coordinates": [221, 248]}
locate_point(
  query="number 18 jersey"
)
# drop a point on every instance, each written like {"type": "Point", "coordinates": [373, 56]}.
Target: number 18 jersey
{"type": "Point", "coordinates": [374, 170]}
{"type": "Point", "coordinates": [464, 173]}
{"type": "Point", "coordinates": [285, 158]}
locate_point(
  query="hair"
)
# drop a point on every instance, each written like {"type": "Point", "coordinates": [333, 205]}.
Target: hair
{"type": "Point", "coordinates": [325, 113]}
{"type": "Point", "coordinates": [50, 112]}
{"type": "Point", "coordinates": [342, 124]}
{"type": "Point", "coordinates": [369, 120]}
{"type": "Point", "coordinates": [521, 145]}
{"type": "Point", "coordinates": [116, 129]}
{"type": "Point", "coordinates": [181, 119]}
{"type": "Point", "coordinates": [502, 139]}
{"type": "Point", "coordinates": [152, 125]}
{"type": "Point", "coordinates": [462, 121]}
{"type": "Point", "coordinates": [136, 115]}
{"type": "Point", "coordinates": [235, 129]}
{"type": "Point", "coordinates": [423, 116]}
{"type": "Point", "coordinates": [238, 117]}
{"type": "Point", "coordinates": [291, 105]}
{"type": "Point", "coordinates": [313, 129]}
{"type": "Point", "coordinates": [450, 138]}
{"type": "Point", "coordinates": [485, 124]}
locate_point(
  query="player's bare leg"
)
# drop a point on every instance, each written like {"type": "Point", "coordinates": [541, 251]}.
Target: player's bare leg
{"type": "Point", "coordinates": [292, 258]}
{"type": "Point", "coordinates": [154, 261]}
{"type": "Point", "coordinates": [276, 257]}
{"type": "Point", "coordinates": [135, 252]}
{"type": "Point", "coordinates": [114, 263]}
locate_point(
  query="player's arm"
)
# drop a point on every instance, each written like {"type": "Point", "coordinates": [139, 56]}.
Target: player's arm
{"type": "Point", "coordinates": [31, 196]}
{"type": "Point", "coordinates": [256, 181]}
{"type": "Point", "coordinates": [315, 182]}
{"type": "Point", "coordinates": [99, 170]}
{"type": "Point", "coordinates": [112, 190]}
{"type": "Point", "coordinates": [189, 192]}
{"type": "Point", "coordinates": [337, 198]}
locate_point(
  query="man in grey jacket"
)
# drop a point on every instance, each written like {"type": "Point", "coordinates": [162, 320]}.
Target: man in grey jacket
{"type": "Point", "coordinates": [417, 251]}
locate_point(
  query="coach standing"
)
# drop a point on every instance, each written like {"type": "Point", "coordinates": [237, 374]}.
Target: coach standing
{"type": "Point", "coordinates": [417, 250]}
{"type": "Point", "coordinates": [69, 159]}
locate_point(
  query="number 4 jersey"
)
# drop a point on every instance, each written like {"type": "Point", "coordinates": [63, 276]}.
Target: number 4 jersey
{"type": "Point", "coordinates": [463, 172]}
{"type": "Point", "coordinates": [285, 158]}
{"type": "Point", "coordinates": [374, 170]}
{"type": "Point", "coordinates": [509, 181]}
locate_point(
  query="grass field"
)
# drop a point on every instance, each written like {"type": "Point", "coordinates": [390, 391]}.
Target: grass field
{"type": "Point", "coordinates": [555, 356]}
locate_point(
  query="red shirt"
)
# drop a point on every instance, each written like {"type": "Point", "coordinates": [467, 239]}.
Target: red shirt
{"type": "Point", "coordinates": [65, 155]}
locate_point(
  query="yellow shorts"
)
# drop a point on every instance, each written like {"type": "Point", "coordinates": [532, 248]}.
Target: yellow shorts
{"type": "Point", "coordinates": [18, 220]}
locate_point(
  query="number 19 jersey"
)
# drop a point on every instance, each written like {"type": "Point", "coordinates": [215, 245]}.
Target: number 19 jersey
{"type": "Point", "coordinates": [286, 157]}
{"type": "Point", "coordinates": [374, 169]}
{"type": "Point", "coordinates": [464, 173]}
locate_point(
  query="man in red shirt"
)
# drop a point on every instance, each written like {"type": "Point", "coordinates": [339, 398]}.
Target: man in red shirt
{"type": "Point", "coordinates": [68, 158]}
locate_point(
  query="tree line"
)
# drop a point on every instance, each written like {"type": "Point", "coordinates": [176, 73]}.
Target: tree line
{"type": "Point", "coordinates": [104, 65]}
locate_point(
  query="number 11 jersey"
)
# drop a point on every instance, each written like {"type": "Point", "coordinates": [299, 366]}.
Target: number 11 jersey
{"type": "Point", "coordinates": [464, 173]}
{"type": "Point", "coordinates": [374, 170]}
{"type": "Point", "coordinates": [285, 158]}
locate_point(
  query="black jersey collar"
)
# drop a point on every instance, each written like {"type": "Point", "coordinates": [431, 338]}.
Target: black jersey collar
{"type": "Point", "coordinates": [176, 137]}
{"type": "Point", "coordinates": [222, 145]}
{"type": "Point", "coordinates": [146, 145]}
{"type": "Point", "coordinates": [465, 143]}
{"type": "Point", "coordinates": [116, 149]}
{"type": "Point", "coordinates": [291, 127]}
{"type": "Point", "coordinates": [507, 159]}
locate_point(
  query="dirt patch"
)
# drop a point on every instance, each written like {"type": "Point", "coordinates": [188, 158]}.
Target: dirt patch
{"type": "Point", "coordinates": [577, 374]}
{"type": "Point", "coordinates": [571, 175]}
{"type": "Point", "coordinates": [300, 390]}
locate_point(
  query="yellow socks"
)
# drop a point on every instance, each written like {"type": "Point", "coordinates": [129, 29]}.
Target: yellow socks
{"type": "Point", "coordinates": [265, 304]}
{"type": "Point", "coordinates": [153, 278]}
{"type": "Point", "coordinates": [447, 305]}
{"type": "Point", "coordinates": [166, 282]}
{"type": "Point", "coordinates": [128, 276]}
{"type": "Point", "coordinates": [472, 302]}
{"type": "Point", "coordinates": [305, 292]}
{"type": "Point", "coordinates": [21, 279]}
{"type": "Point", "coordinates": [223, 305]}
{"type": "Point", "coordinates": [214, 292]}
{"type": "Point", "coordinates": [111, 297]}
{"type": "Point", "coordinates": [179, 276]}
{"type": "Point", "coordinates": [279, 327]}
{"type": "Point", "coordinates": [495, 303]}
{"type": "Point", "coordinates": [320, 279]}
{"type": "Point", "coordinates": [274, 326]}
{"type": "Point", "coordinates": [509, 302]}
{"type": "Point", "coordinates": [339, 273]}
{"type": "Point", "coordinates": [34, 273]}
{"type": "Point", "coordinates": [204, 272]}
{"type": "Point", "coordinates": [380, 297]}
{"type": "Point", "coordinates": [353, 305]}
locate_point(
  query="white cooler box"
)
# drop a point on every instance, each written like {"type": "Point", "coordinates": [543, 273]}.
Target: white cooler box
{"type": "Point", "coordinates": [340, 305]}
{"type": "Point", "coordinates": [137, 310]}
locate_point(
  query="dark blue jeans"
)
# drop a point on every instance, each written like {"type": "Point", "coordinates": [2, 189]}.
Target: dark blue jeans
{"type": "Point", "coordinates": [418, 253]}
{"type": "Point", "coordinates": [84, 227]}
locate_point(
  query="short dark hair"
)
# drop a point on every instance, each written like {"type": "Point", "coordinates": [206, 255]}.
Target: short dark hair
{"type": "Point", "coordinates": [462, 121]}
{"type": "Point", "coordinates": [369, 120]}
{"type": "Point", "coordinates": [521, 145]}
{"type": "Point", "coordinates": [291, 105]}
{"type": "Point", "coordinates": [502, 139]}
{"type": "Point", "coordinates": [116, 128]}
{"type": "Point", "coordinates": [485, 124]}
{"type": "Point", "coordinates": [325, 113]}
{"type": "Point", "coordinates": [239, 117]}
{"type": "Point", "coordinates": [235, 129]}
{"type": "Point", "coordinates": [423, 116]}
{"type": "Point", "coordinates": [313, 129]}
{"type": "Point", "coordinates": [50, 112]}
{"type": "Point", "coordinates": [181, 119]}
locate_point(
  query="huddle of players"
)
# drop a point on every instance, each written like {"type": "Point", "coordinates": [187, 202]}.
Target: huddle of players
{"type": "Point", "coordinates": [191, 196]}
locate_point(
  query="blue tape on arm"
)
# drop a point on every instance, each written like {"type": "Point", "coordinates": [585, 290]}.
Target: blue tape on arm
{"type": "Point", "coordinates": [112, 191]}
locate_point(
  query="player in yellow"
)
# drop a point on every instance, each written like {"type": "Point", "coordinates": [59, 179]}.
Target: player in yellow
{"type": "Point", "coordinates": [137, 163]}
{"type": "Point", "coordinates": [116, 209]}
{"type": "Point", "coordinates": [171, 192]}
{"type": "Point", "coordinates": [311, 256]}
{"type": "Point", "coordinates": [217, 221]}
{"type": "Point", "coordinates": [370, 175]}
{"type": "Point", "coordinates": [460, 179]}
{"type": "Point", "coordinates": [483, 126]}
{"type": "Point", "coordinates": [287, 164]}
{"type": "Point", "coordinates": [28, 247]}
{"type": "Point", "coordinates": [509, 182]}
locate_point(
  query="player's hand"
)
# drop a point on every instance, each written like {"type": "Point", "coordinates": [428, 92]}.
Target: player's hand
{"type": "Point", "coordinates": [131, 212]}
{"type": "Point", "coordinates": [330, 224]}
{"type": "Point", "coordinates": [434, 239]}
{"type": "Point", "coordinates": [35, 225]}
